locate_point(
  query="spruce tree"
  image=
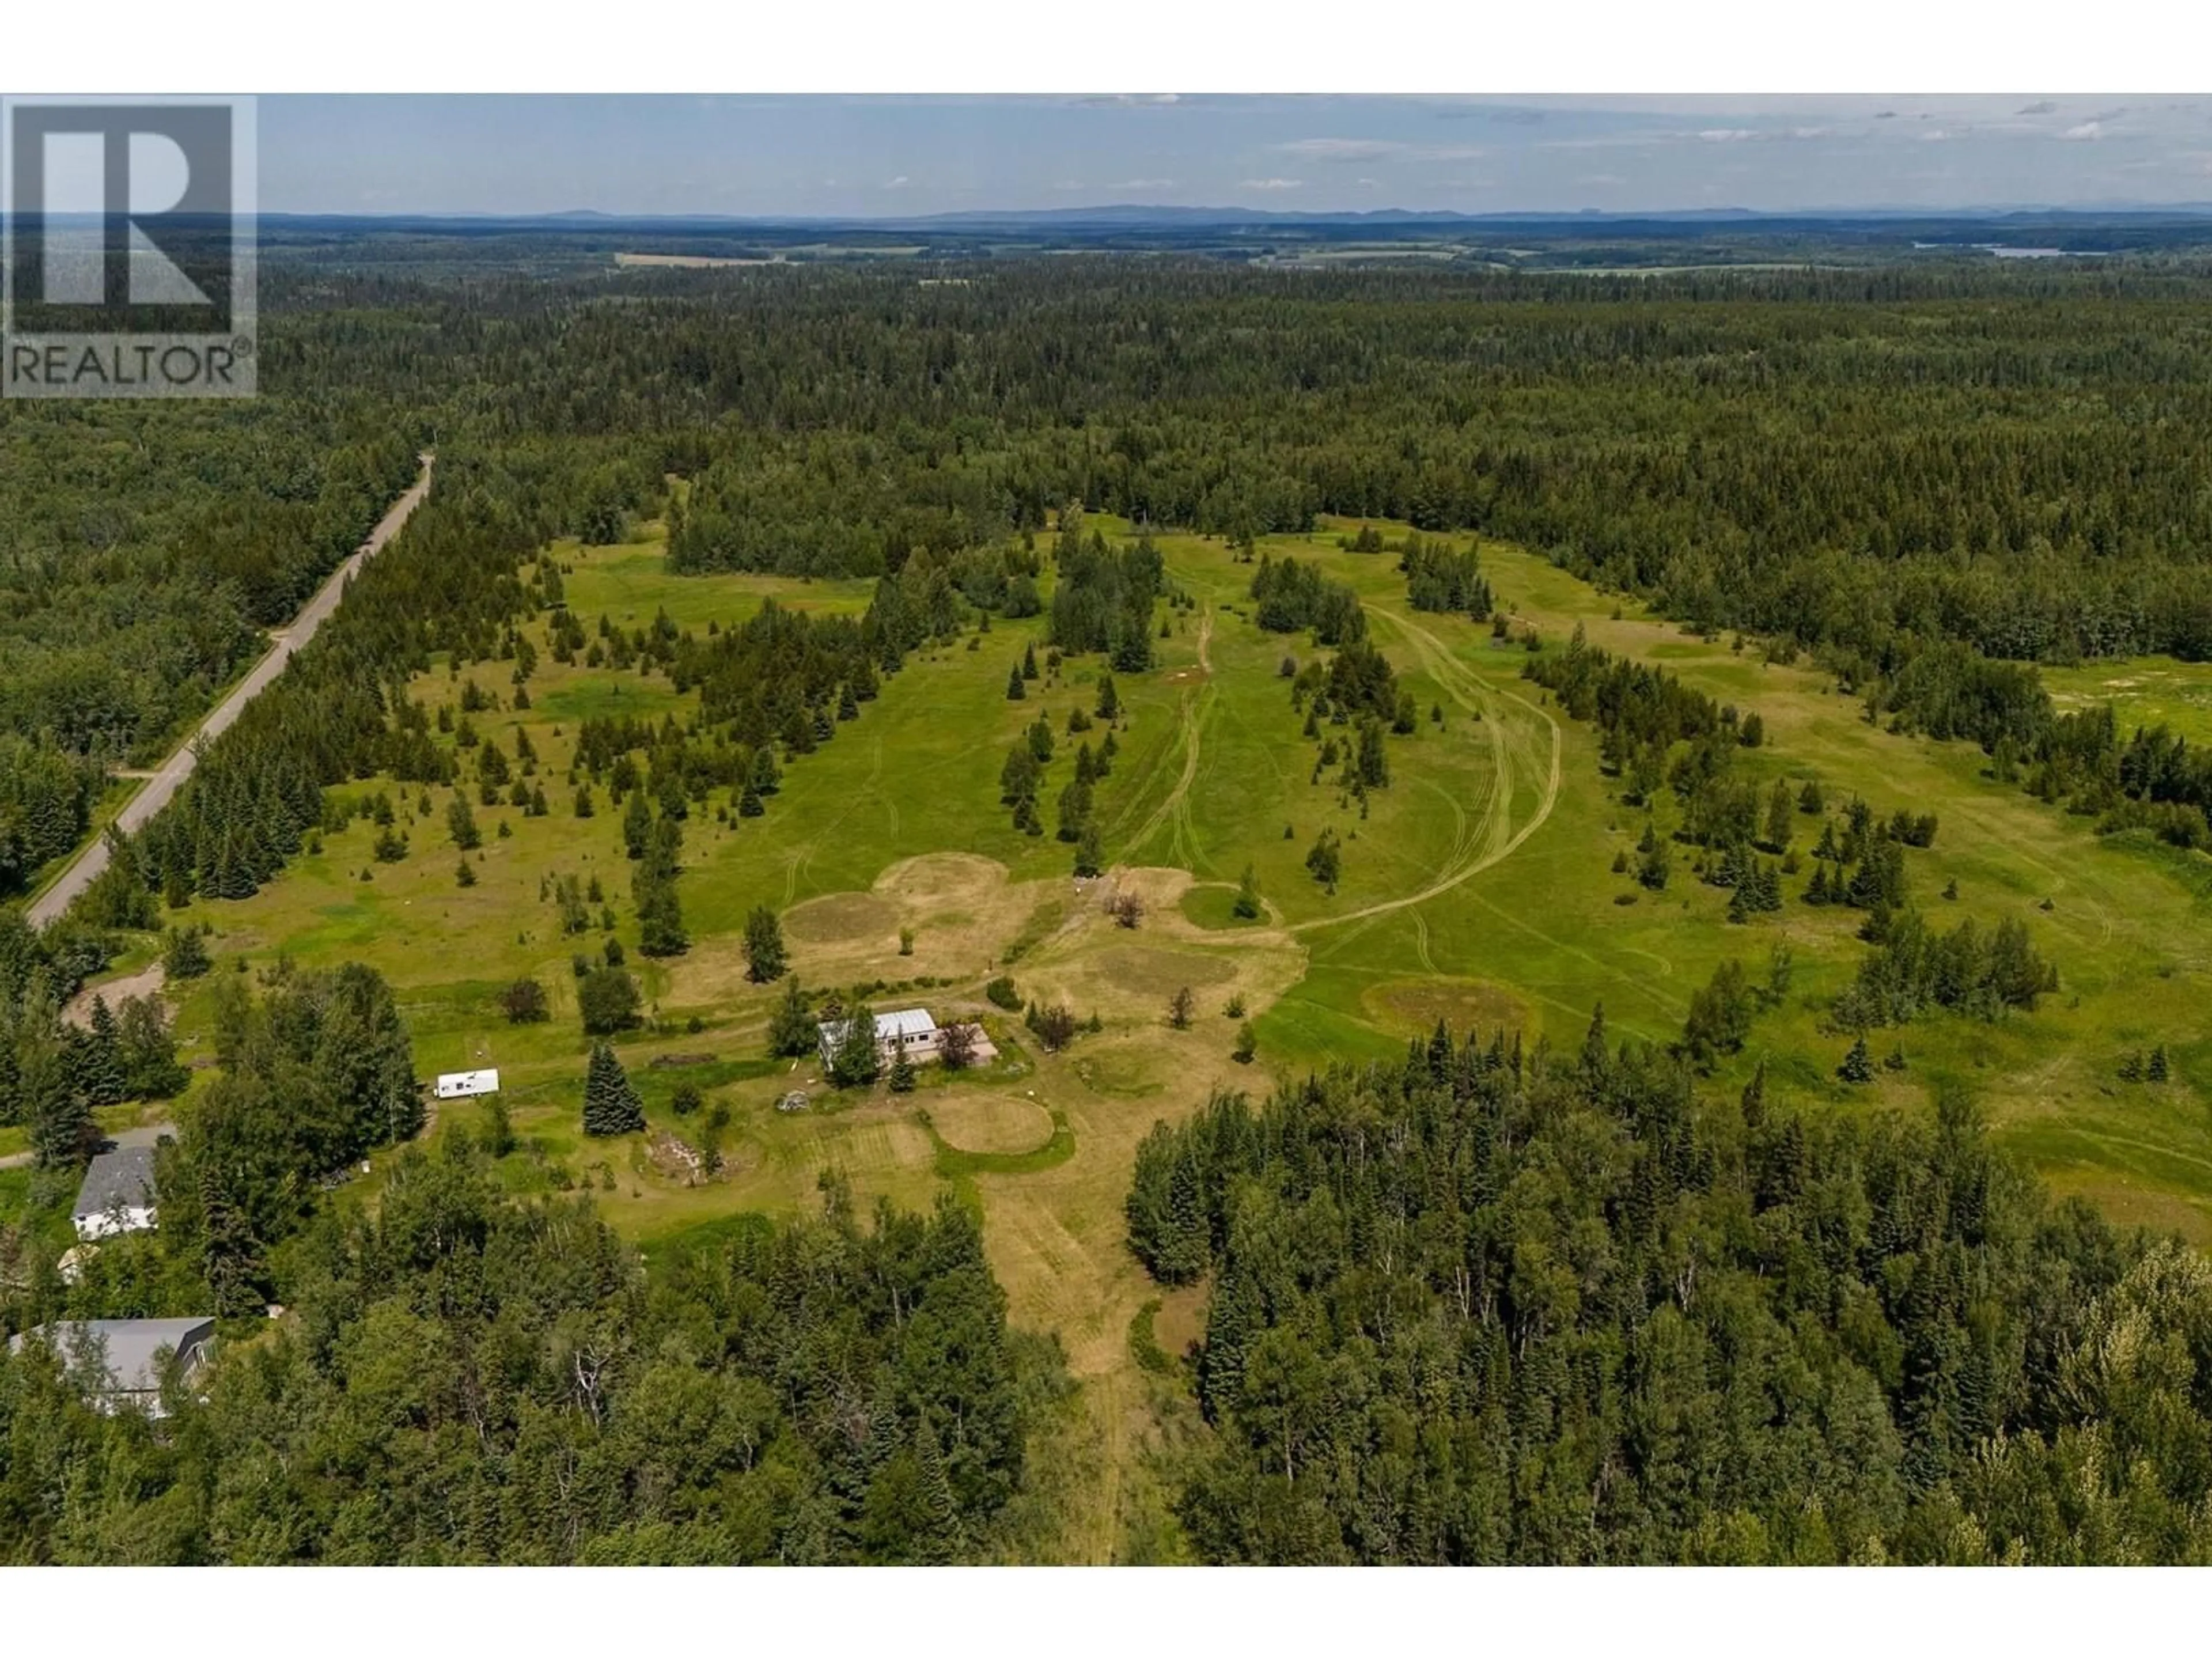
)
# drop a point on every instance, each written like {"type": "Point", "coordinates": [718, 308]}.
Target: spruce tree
{"type": "Point", "coordinates": [1090, 856]}
{"type": "Point", "coordinates": [1858, 1064]}
{"type": "Point", "coordinates": [1015, 690]}
{"type": "Point", "coordinates": [611, 1106]}
{"type": "Point", "coordinates": [637, 823]}
{"type": "Point", "coordinates": [60, 1118]}
{"type": "Point", "coordinates": [765, 956]}
{"type": "Point", "coordinates": [901, 1071]}
{"type": "Point", "coordinates": [101, 1077]}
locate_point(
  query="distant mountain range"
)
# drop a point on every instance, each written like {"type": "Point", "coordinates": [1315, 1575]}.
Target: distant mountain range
{"type": "Point", "coordinates": [1138, 216]}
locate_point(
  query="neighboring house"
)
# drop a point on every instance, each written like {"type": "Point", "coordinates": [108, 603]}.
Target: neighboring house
{"type": "Point", "coordinates": [130, 1353]}
{"type": "Point", "coordinates": [910, 1029]}
{"type": "Point", "coordinates": [117, 1193]}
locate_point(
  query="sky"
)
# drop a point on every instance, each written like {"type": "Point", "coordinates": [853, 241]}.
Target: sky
{"type": "Point", "coordinates": [884, 157]}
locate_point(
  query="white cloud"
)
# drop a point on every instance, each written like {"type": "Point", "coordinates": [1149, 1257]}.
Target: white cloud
{"type": "Point", "coordinates": [2087, 129]}
{"type": "Point", "coordinates": [1727, 134]}
{"type": "Point", "coordinates": [1143, 184]}
{"type": "Point", "coordinates": [899, 183]}
{"type": "Point", "coordinates": [1375, 149]}
{"type": "Point", "coordinates": [1274, 184]}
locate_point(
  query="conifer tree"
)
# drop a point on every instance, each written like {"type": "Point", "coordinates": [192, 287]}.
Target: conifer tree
{"type": "Point", "coordinates": [766, 958]}
{"type": "Point", "coordinates": [901, 1071]}
{"type": "Point", "coordinates": [637, 823]}
{"type": "Point", "coordinates": [611, 1106]}
{"type": "Point", "coordinates": [101, 1077]}
{"type": "Point", "coordinates": [1015, 691]}
{"type": "Point", "coordinates": [59, 1117]}
{"type": "Point", "coordinates": [1858, 1064]}
{"type": "Point", "coordinates": [1089, 857]}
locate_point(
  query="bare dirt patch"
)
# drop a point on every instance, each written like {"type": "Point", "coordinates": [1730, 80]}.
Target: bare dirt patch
{"type": "Point", "coordinates": [146, 982]}
{"type": "Point", "coordinates": [991, 1123]}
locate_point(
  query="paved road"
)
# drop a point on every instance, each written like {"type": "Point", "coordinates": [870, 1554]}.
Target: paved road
{"type": "Point", "coordinates": [164, 782]}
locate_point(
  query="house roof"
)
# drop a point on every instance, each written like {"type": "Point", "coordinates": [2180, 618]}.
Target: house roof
{"type": "Point", "coordinates": [125, 1176]}
{"type": "Point", "coordinates": [903, 1022]}
{"type": "Point", "coordinates": [129, 1345]}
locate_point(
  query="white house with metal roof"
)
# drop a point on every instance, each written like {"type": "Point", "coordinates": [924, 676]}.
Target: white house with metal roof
{"type": "Point", "coordinates": [908, 1030]}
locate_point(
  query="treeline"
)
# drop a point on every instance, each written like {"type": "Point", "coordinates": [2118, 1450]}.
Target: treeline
{"type": "Point", "coordinates": [46, 797]}
{"type": "Point", "coordinates": [1478, 1307]}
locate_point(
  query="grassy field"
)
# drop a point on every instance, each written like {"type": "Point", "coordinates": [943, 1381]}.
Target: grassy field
{"type": "Point", "coordinates": [2142, 691]}
{"type": "Point", "coordinates": [1477, 888]}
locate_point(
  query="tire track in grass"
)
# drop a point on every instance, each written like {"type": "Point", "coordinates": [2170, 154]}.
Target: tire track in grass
{"type": "Point", "coordinates": [1469, 690]}
{"type": "Point", "coordinates": [1192, 717]}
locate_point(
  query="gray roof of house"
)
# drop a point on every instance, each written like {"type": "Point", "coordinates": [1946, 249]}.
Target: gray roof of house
{"type": "Point", "coordinates": [125, 1176]}
{"type": "Point", "coordinates": [130, 1345]}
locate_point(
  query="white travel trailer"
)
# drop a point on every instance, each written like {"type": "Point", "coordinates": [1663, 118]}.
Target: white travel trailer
{"type": "Point", "coordinates": [454, 1085]}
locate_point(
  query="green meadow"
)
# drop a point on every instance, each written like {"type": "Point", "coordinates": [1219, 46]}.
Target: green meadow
{"type": "Point", "coordinates": [1477, 889]}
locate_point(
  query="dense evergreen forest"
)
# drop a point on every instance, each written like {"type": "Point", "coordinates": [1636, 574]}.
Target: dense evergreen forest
{"type": "Point", "coordinates": [1478, 1307]}
{"type": "Point", "coordinates": [1485, 1307]}
{"type": "Point", "coordinates": [467, 1378]}
{"type": "Point", "coordinates": [1911, 469]}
